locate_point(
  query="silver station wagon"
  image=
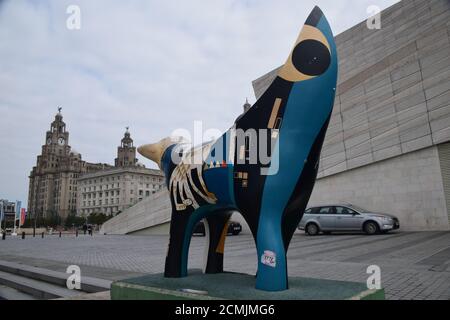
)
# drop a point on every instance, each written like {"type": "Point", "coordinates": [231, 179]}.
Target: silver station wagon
{"type": "Point", "coordinates": [346, 217]}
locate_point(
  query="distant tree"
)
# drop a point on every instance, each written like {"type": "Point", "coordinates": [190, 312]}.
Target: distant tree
{"type": "Point", "coordinates": [52, 220]}
{"type": "Point", "coordinates": [73, 219]}
{"type": "Point", "coordinates": [97, 218]}
{"type": "Point", "coordinates": [28, 223]}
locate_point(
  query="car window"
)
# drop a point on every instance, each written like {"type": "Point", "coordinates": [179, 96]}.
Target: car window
{"type": "Point", "coordinates": [325, 210]}
{"type": "Point", "coordinates": [344, 210]}
{"type": "Point", "coordinates": [359, 209]}
{"type": "Point", "coordinates": [308, 210]}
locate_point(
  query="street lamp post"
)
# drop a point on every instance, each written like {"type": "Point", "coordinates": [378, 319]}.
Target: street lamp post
{"type": "Point", "coordinates": [3, 216]}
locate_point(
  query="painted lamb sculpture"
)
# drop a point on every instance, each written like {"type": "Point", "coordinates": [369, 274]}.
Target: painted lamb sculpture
{"type": "Point", "coordinates": [218, 178]}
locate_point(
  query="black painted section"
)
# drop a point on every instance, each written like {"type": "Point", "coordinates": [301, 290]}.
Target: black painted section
{"type": "Point", "coordinates": [248, 199]}
{"type": "Point", "coordinates": [298, 201]}
{"type": "Point", "coordinates": [311, 57]}
{"type": "Point", "coordinates": [314, 17]}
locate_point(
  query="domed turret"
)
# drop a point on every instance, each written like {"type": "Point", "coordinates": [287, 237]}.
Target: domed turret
{"type": "Point", "coordinates": [246, 105]}
{"type": "Point", "coordinates": [126, 152]}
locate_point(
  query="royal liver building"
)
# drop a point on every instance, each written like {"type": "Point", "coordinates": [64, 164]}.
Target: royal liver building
{"type": "Point", "coordinates": [53, 181]}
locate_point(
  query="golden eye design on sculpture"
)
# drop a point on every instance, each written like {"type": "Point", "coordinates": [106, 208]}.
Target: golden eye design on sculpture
{"type": "Point", "coordinates": [310, 57]}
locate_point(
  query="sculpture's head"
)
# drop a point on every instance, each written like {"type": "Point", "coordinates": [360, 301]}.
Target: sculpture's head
{"type": "Point", "coordinates": [314, 51]}
{"type": "Point", "coordinates": [155, 151]}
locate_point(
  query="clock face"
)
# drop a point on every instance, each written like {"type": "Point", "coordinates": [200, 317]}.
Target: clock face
{"type": "Point", "coordinates": [49, 140]}
{"type": "Point", "coordinates": [61, 141]}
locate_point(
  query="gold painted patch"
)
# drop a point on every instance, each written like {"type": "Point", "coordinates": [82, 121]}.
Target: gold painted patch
{"type": "Point", "coordinates": [288, 71]}
{"type": "Point", "coordinates": [273, 115]}
{"type": "Point", "coordinates": [221, 245]}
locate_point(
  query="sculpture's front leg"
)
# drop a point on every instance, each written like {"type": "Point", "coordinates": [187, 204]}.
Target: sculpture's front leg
{"type": "Point", "coordinates": [272, 267]}
{"type": "Point", "coordinates": [175, 266]}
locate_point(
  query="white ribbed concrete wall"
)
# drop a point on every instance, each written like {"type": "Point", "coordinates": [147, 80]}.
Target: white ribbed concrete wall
{"type": "Point", "coordinates": [408, 186]}
{"type": "Point", "coordinates": [152, 211]}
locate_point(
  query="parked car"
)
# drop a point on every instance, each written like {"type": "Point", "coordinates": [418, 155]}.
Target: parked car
{"type": "Point", "coordinates": [346, 217]}
{"type": "Point", "coordinates": [234, 228]}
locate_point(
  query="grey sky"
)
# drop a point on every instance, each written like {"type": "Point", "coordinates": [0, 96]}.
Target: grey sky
{"type": "Point", "coordinates": [152, 65]}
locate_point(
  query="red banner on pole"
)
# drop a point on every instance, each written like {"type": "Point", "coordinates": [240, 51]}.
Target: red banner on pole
{"type": "Point", "coordinates": [22, 216]}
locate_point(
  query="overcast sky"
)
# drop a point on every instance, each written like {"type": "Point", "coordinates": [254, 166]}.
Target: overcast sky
{"type": "Point", "coordinates": [152, 65]}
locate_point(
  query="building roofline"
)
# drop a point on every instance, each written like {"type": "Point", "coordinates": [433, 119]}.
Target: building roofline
{"type": "Point", "coordinates": [115, 170]}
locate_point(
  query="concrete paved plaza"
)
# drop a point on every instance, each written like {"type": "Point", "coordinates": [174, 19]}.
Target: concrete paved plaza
{"type": "Point", "coordinates": [414, 265]}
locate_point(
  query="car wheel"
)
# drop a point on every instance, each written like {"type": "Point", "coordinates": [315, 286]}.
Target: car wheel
{"type": "Point", "coordinates": [371, 228]}
{"type": "Point", "coordinates": [312, 229]}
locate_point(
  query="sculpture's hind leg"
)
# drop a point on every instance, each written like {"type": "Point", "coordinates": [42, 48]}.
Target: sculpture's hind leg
{"type": "Point", "coordinates": [217, 226]}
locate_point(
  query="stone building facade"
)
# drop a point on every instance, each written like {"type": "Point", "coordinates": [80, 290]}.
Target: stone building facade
{"type": "Point", "coordinates": [53, 181]}
{"type": "Point", "coordinates": [115, 189]}
{"type": "Point", "coordinates": [388, 143]}
{"type": "Point", "coordinates": [9, 211]}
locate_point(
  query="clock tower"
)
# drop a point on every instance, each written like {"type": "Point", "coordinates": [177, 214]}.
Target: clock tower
{"type": "Point", "coordinates": [53, 181]}
{"type": "Point", "coordinates": [57, 138]}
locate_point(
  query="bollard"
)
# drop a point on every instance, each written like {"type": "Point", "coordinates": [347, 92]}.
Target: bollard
{"type": "Point", "coordinates": [42, 235]}
{"type": "Point", "coordinates": [23, 235]}
{"type": "Point", "coordinates": [4, 235]}
{"type": "Point", "coordinates": [60, 234]}
{"type": "Point", "coordinates": [76, 233]}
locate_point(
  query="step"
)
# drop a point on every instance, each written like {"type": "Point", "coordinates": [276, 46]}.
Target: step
{"type": "Point", "coordinates": [37, 289]}
{"type": "Point", "coordinates": [88, 284]}
{"type": "Point", "coordinates": [7, 293]}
